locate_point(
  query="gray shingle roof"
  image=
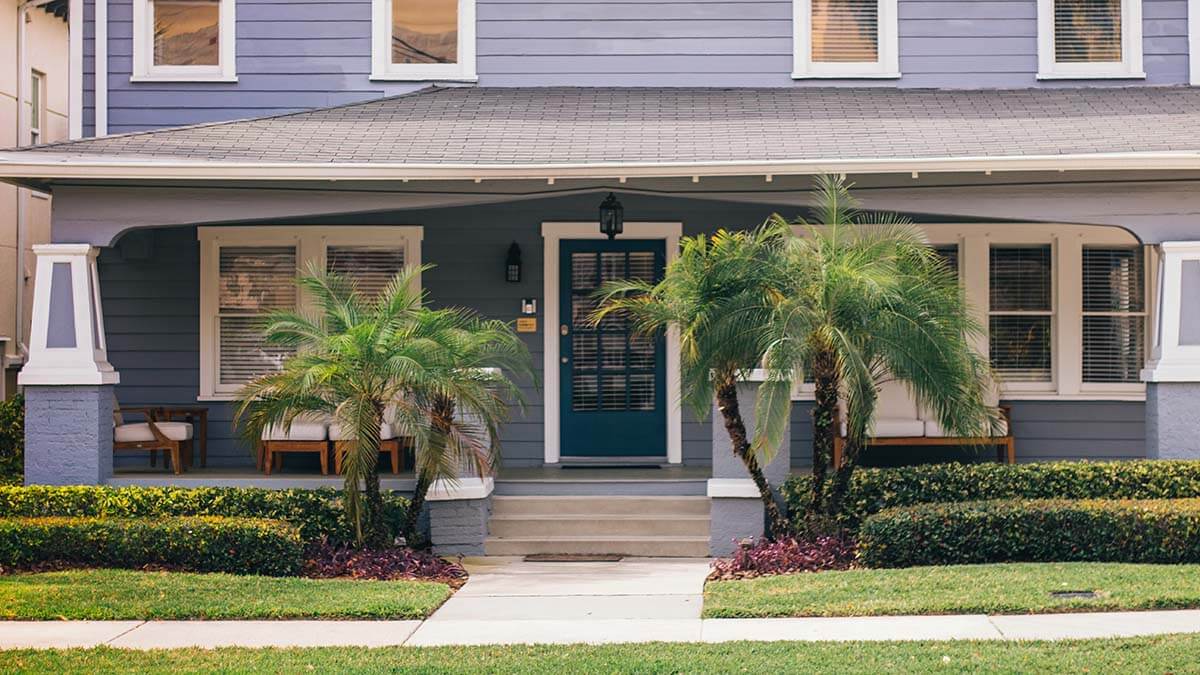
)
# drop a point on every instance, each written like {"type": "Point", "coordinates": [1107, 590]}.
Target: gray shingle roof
{"type": "Point", "coordinates": [515, 126]}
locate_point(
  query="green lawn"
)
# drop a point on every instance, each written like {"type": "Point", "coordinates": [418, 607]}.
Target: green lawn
{"type": "Point", "coordinates": [126, 594]}
{"type": "Point", "coordinates": [1015, 588]}
{"type": "Point", "coordinates": [1170, 654]}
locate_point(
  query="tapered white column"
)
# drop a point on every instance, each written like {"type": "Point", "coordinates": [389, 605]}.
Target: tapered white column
{"type": "Point", "coordinates": [1172, 374]}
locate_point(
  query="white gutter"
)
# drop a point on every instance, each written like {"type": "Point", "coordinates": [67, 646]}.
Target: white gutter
{"type": "Point", "coordinates": [26, 165]}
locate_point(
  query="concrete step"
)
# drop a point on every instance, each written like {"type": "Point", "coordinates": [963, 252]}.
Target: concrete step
{"type": "Point", "coordinates": [646, 524]}
{"type": "Point", "coordinates": [655, 546]}
{"type": "Point", "coordinates": [506, 505]}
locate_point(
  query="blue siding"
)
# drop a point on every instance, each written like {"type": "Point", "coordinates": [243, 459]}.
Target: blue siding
{"type": "Point", "coordinates": [295, 54]}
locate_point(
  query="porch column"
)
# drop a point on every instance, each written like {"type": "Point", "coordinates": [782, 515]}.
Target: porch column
{"type": "Point", "coordinates": [1172, 374]}
{"type": "Point", "coordinates": [68, 381]}
{"type": "Point", "coordinates": [736, 509]}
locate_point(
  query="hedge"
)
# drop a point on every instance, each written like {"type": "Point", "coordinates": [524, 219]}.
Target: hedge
{"type": "Point", "coordinates": [314, 513]}
{"type": "Point", "coordinates": [1039, 530]}
{"type": "Point", "coordinates": [873, 490]}
{"type": "Point", "coordinates": [200, 544]}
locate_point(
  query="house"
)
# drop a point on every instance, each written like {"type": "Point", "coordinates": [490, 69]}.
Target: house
{"type": "Point", "coordinates": [34, 54]}
{"type": "Point", "coordinates": [1051, 148]}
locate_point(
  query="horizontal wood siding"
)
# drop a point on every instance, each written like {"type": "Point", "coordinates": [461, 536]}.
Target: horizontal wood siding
{"type": "Point", "coordinates": [296, 54]}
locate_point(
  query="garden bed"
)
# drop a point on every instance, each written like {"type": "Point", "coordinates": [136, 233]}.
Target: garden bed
{"type": "Point", "coordinates": [1013, 588]}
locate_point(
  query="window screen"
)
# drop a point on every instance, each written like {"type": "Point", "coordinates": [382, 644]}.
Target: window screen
{"type": "Point", "coordinates": [424, 31]}
{"type": "Point", "coordinates": [1021, 312]}
{"type": "Point", "coordinates": [253, 281]}
{"type": "Point", "coordinates": [845, 31]}
{"type": "Point", "coordinates": [371, 268]}
{"type": "Point", "coordinates": [1114, 314]}
{"type": "Point", "coordinates": [1087, 31]}
{"type": "Point", "coordinates": [187, 32]}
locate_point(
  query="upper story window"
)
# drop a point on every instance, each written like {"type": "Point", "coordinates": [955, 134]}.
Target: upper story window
{"type": "Point", "coordinates": [1080, 39]}
{"type": "Point", "coordinates": [183, 40]}
{"type": "Point", "coordinates": [423, 40]}
{"type": "Point", "coordinates": [845, 38]}
{"type": "Point", "coordinates": [37, 106]}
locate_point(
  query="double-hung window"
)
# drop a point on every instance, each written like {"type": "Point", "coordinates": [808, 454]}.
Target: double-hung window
{"type": "Point", "coordinates": [248, 272]}
{"type": "Point", "coordinates": [37, 106]}
{"type": "Point", "coordinates": [423, 40]}
{"type": "Point", "coordinates": [1114, 315]}
{"type": "Point", "coordinates": [184, 40]}
{"type": "Point", "coordinates": [845, 38]}
{"type": "Point", "coordinates": [1021, 313]}
{"type": "Point", "coordinates": [1089, 39]}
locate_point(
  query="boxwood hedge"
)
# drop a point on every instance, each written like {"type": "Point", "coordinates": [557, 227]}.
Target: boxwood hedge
{"type": "Point", "coordinates": [1040, 530]}
{"type": "Point", "coordinates": [201, 544]}
{"type": "Point", "coordinates": [873, 490]}
{"type": "Point", "coordinates": [315, 513]}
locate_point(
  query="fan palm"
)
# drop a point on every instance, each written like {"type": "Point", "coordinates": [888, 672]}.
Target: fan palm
{"type": "Point", "coordinates": [362, 361]}
{"type": "Point", "coordinates": [868, 300]}
{"type": "Point", "coordinates": [720, 293]}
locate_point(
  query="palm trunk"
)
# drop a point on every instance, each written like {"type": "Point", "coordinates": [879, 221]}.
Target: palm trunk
{"type": "Point", "coordinates": [375, 530]}
{"type": "Point", "coordinates": [441, 418]}
{"type": "Point", "coordinates": [824, 413]}
{"type": "Point", "coordinates": [727, 403]}
{"type": "Point", "coordinates": [415, 506]}
{"type": "Point", "coordinates": [840, 485]}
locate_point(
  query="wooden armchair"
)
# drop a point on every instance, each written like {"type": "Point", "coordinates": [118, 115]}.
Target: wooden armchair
{"type": "Point", "coordinates": [152, 435]}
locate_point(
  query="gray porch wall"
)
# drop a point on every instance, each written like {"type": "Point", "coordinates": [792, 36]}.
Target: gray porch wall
{"type": "Point", "coordinates": [296, 54]}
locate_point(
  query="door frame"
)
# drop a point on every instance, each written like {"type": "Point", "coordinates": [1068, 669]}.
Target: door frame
{"type": "Point", "coordinates": [552, 234]}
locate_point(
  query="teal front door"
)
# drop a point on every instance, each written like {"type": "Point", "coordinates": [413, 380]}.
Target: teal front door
{"type": "Point", "coordinates": [613, 380]}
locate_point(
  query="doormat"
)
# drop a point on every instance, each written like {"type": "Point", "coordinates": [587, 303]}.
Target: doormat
{"type": "Point", "coordinates": [573, 557]}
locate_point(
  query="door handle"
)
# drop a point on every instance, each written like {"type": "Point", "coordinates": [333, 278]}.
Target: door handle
{"type": "Point", "coordinates": [563, 330]}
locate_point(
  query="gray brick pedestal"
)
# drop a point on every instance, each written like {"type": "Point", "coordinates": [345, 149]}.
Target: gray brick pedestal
{"type": "Point", "coordinates": [458, 516]}
{"type": "Point", "coordinates": [1173, 420]}
{"type": "Point", "coordinates": [737, 511]}
{"type": "Point", "coordinates": [68, 434]}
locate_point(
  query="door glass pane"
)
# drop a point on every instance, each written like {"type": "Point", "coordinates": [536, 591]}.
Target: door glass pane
{"type": "Point", "coordinates": [187, 32]}
{"type": "Point", "coordinates": [614, 392]}
{"type": "Point", "coordinates": [424, 31]}
{"type": "Point", "coordinates": [584, 394]}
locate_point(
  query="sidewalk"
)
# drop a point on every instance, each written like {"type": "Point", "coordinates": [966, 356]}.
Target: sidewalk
{"type": "Point", "coordinates": [508, 601]}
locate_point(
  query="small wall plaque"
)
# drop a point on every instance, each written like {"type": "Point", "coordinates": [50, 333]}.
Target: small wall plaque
{"type": "Point", "coordinates": [527, 324]}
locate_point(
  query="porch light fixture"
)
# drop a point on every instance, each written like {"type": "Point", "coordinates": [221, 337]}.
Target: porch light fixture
{"type": "Point", "coordinates": [612, 217]}
{"type": "Point", "coordinates": [512, 264]}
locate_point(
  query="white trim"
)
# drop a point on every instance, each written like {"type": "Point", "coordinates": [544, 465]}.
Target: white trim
{"type": "Point", "coordinates": [1169, 360]}
{"type": "Point", "coordinates": [75, 70]}
{"type": "Point", "coordinates": [1193, 14]}
{"type": "Point", "coordinates": [552, 234]}
{"type": "Point", "coordinates": [310, 241]}
{"type": "Point", "coordinates": [100, 68]}
{"type": "Point", "coordinates": [888, 52]}
{"type": "Point", "coordinates": [442, 490]}
{"type": "Point", "coordinates": [1129, 67]}
{"type": "Point", "coordinates": [144, 69]}
{"type": "Point", "coordinates": [382, 67]}
{"type": "Point", "coordinates": [735, 488]}
{"type": "Point", "coordinates": [33, 164]}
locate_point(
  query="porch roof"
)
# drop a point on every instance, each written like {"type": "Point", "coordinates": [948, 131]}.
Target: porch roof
{"type": "Point", "coordinates": [464, 132]}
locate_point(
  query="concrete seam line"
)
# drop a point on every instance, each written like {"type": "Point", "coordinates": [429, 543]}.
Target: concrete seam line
{"type": "Point", "coordinates": [127, 632]}
{"type": "Point", "coordinates": [997, 628]}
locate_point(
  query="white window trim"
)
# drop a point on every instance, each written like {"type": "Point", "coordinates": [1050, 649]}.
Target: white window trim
{"type": "Point", "coordinates": [144, 69]}
{"type": "Point", "coordinates": [382, 67]}
{"type": "Point", "coordinates": [311, 243]}
{"type": "Point", "coordinates": [1193, 15]}
{"type": "Point", "coordinates": [887, 67]}
{"type": "Point", "coordinates": [552, 234]}
{"type": "Point", "coordinates": [37, 114]}
{"type": "Point", "coordinates": [1129, 67]}
{"type": "Point", "coordinates": [974, 243]}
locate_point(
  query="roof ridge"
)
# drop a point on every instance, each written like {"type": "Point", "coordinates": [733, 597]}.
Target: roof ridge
{"type": "Point", "coordinates": [431, 89]}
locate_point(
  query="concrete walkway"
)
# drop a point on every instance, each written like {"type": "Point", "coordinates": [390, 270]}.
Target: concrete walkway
{"type": "Point", "coordinates": [508, 601]}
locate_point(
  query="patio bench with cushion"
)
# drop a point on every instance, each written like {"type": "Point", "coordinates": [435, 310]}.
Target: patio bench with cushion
{"type": "Point", "coordinates": [390, 443]}
{"type": "Point", "coordinates": [152, 435]}
{"type": "Point", "coordinates": [307, 434]}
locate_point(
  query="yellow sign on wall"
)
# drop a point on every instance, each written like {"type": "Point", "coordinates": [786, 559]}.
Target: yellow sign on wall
{"type": "Point", "coordinates": [527, 324]}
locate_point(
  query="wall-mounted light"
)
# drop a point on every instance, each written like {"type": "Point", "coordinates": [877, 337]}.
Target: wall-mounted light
{"type": "Point", "coordinates": [612, 216]}
{"type": "Point", "coordinates": [512, 264]}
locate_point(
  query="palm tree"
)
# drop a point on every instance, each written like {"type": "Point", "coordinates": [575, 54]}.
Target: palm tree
{"type": "Point", "coordinates": [720, 293]}
{"type": "Point", "coordinates": [868, 300]}
{"type": "Point", "coordinates": [362, 359]}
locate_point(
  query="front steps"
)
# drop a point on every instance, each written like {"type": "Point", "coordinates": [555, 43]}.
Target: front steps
{"type": "Point", "coordinates": [658, 526]}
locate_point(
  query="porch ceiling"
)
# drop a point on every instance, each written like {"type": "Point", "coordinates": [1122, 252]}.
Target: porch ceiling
{"type": "Point", "coordinates": [479, 132]}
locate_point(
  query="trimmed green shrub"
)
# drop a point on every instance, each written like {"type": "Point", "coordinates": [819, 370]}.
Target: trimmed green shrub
{"type": "Point", "coordinates": [200, 544]}
{"type": "Point", "coordinates": [1043, 530]}
{"type": "Point", "coordinates": [12, 438]}
{"type": "Point", "coordinates": [314, 513]}
{"type": "Point", "coordinates": [873, 490]}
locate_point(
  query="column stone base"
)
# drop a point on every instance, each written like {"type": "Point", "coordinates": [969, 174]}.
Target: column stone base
{"type": "Point", "coordinates": [68, 434]}
{"type": "Point", "coordinates": [459, 527]}
{"type": "Point", "coordinates": [1173, 420]}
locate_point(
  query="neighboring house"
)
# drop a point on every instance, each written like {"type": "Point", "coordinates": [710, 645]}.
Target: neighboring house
{"type": "Point", "coordinates": [33, 109]}
{"type": "Point", "coordinates": [1051, 148]}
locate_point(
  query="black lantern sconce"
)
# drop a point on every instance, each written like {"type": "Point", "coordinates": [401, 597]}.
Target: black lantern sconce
{"type": "Point", "coordinates": [612, 216]}
{"type": "Point", "coordinates": [512, 264]}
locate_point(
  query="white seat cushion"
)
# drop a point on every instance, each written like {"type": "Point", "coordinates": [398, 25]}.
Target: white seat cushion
{"type": "Point", "coordinates": [935, 430]}
{"type": "Point", "coordinates": [895, 427]}
{"type": "Point", "coordinates": [140, 432]}
{"type": "Point", "coordinates": [304, 428]}
{"type": "Point", "coordinates": [336, 433]}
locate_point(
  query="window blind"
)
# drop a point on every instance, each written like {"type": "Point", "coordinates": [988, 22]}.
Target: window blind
{"type": "Point", "coordinates": [371, 268]}
{"type": "Point", "coordinates": [949, 254]}
{"type": "Point", "coordinates": [1087, 31]}
{"type": "Point", "coordinates": [252, 280]}
{"type": "Point", "coordinates": [1021, 312]}
{"type": "Point", "coordinates": [1114, 314]}
{"type": "Point", "coordinates": [845, 31]}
